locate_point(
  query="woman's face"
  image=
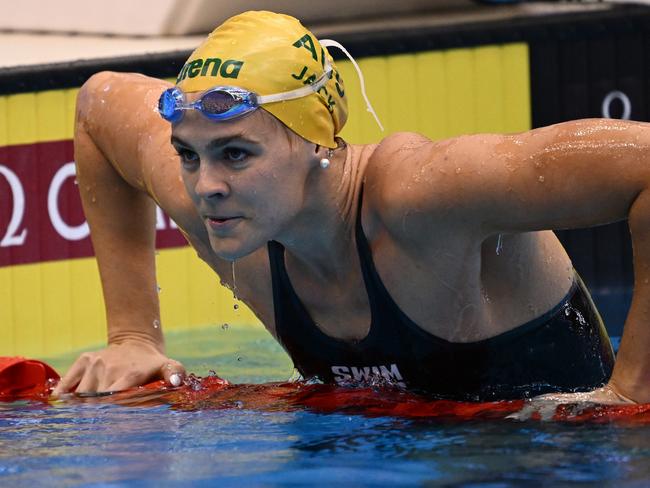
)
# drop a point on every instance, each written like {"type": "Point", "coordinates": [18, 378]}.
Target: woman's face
{"type": "Point", "coordinates": [245, 176]}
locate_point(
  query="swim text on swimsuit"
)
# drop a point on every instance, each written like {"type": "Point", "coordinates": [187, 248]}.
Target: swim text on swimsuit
{"type": "Point", "coordinates": [363, 375]}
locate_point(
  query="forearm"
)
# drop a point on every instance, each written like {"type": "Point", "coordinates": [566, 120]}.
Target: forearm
{"type": "Point", "coordinates": [126, 262]}
{"type": "Point", "coordinates": [632, 371]}
{"type": "Point", "coordinates": [122, 224]}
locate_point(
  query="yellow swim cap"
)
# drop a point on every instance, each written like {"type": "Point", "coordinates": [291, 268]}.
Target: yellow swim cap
{"type": "Point", "coordinates": [269, 53]}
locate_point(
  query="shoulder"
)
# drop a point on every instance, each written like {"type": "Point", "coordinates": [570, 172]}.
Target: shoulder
{"type": "Point", "coordinates": [392, 163]}
{"type": "Point", "coordinates": [109, 91]}
{"type": "Point", "coordinates": [110, 103]}
{"type": "Point", "coordinates": [408, 174]}
{"type": "Point", "coordinates": [118, 112]}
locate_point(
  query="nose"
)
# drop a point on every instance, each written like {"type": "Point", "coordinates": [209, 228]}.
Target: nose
{"type": "Point", "coordinates": [211, 183]}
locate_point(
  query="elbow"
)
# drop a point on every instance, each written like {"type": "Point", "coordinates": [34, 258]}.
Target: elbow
{"type": "Point", "coordinates": [639, 214]}
{"type": "Point", "coordinates": [89, 96]}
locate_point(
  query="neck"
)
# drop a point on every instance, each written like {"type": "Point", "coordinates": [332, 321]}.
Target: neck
{"type": "Point", "coordinates": [321, 239]}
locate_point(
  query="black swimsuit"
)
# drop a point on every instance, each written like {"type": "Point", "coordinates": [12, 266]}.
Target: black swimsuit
{"type": "Point", "coordinates": [566, 349]}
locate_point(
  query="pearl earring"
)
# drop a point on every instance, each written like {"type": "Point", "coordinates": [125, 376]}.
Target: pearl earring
{"type": "Point", "coordinates": [325, 162]}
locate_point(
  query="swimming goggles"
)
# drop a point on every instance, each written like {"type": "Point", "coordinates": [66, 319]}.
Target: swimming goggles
{"type": "Point", "coordinates": [228, 102]}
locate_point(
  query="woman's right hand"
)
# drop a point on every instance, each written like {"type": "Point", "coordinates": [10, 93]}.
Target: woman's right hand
{"type": "Point", "coordinates": [118, 367]}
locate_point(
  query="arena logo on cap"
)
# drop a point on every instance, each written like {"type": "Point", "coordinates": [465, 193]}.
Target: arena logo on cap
{"type": "Point", "coordinates": [200, 67]}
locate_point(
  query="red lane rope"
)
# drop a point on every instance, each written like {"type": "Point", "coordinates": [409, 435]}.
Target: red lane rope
{"type": "Point", "coordinates": [22, 378]}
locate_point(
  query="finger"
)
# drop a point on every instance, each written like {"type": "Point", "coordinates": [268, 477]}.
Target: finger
{"type": "Point", "coordinates": [72, 377]}
{"type": "Point", "coordinates": [173, 373]}
{"type": "Point", "coordinates": [114, 374]}
{"type": "Point", "coordinates": [611, 391]}
{"type": "Point", "coordinates": [88, 384]}
{"type": "Point", "coordinates": [126, 382]}
{"type": "Point", "coordinates": [91, 378]}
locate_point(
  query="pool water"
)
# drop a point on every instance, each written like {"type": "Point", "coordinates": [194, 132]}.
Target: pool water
{"type": "Point", "coordinates": [105, 444]}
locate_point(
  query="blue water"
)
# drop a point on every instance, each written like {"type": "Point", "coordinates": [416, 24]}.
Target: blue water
{"type": "Point", "coordinates": [72, 443]}
{"type": "Point", "coordinates": [103, 445]}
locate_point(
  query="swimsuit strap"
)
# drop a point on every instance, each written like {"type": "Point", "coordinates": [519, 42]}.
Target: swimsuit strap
{"type": "Point", "coordinates": [378, 297]}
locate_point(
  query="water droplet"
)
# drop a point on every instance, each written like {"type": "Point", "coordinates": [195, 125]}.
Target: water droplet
{"type": "Point", "coordinates": [540, 179]}
{"type": "Point", "coordinates": [499, 245]}
{"type": "Point", "coordinates": [234, 279]}
{"type": "Point", "coordinates": [158, 289]}
{"type": "Point", "coordinates": [156, 324]}
{"type": "Point", "coordinates": [235, 306]}
{"type": "Point", "coordinates": [192, 381]}
{"type": "Point", "coordinates": [76, 182]}
{"type": "Point", "coordinates": [225, 326]}
{"type": "Point", "coordinates": [239, 358]}
{"type": "Point", "coordinates": [458, 170]}
{"type": "Point", "coordinates": [93, 199]}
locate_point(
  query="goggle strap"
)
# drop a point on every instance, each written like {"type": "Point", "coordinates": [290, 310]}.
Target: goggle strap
{"type": "Point", "coordinates": [332, 43]}
{"type": "Point", "coordinates": [298, 92]}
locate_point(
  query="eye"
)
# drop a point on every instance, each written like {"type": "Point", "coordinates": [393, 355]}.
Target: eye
{"type": "Point", "coordinates": [235, 154]}
{"type": "Point", "coordinates": [188, 158]}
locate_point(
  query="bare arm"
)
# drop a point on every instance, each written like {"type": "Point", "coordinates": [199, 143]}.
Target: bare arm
{"type": "Point", "coordinates": [121, 216]}
{"type": "Point", "coordinates": [574, 174]}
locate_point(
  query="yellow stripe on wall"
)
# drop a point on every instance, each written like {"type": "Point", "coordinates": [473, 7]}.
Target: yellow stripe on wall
{"type": "Point", "coordinates": [45, 116]}
{"type": "Point", "coordinates": [4, 122]}
{"type": "Point", "coordinates": [441, 93]}
{"type": "Point", "coordinates": [7, 323]}
{"type": "Point", "coordinates": [50, 110]}
{"type": "Point", "coordinates": [57, 307]}
{"type": "Point", "coordinates": [516, 88]}
{"type": "Point", "coordinates": [191, 293]}
{"type": "Point", "coordinates": [402, 110]}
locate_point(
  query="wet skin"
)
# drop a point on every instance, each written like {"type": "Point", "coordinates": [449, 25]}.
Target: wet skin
{"type": "Point", "coordinates": [432, 212]}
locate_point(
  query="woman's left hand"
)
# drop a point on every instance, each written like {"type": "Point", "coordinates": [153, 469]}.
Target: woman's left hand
{"type": "Point", "coordinates": [545, 406]}
{"type": "Point", "coordinates": [607, 395]}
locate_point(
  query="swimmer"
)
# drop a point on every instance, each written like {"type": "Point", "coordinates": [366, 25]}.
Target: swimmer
{"type": "Point", "coordinates": [425, 265]}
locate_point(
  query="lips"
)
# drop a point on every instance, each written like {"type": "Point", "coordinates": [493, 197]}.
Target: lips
{"type": "Point", "coordinates": [222, 222]}
{"type": "Point", "coordinates": [220, 219]}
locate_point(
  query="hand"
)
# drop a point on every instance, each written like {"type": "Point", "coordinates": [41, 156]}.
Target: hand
{"type": "Point", "coordinates": [118, 367]}
{"type": "Point", "coordinates": [545, 406]}
{"type": "Point", "coordinates": [607, 395]}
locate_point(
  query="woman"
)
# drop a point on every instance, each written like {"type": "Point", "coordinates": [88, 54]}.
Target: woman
{"type": "Point", "coordinates": [411, 263]}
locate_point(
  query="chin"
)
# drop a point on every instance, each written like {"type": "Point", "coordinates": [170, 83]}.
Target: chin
{"type": "Point", "coordinates": [232, 249]}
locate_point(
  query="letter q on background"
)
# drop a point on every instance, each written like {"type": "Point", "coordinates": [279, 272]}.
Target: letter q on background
{"type": "Point", "coordinates": [69, 232]}
{"type": "Point", "coordinates": [18, 193]}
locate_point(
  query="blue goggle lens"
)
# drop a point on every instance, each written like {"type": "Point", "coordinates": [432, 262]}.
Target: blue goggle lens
{"type": "Point", "coordinates": [217, 104]}
{"type": "Point", "coordinates": [223, 105]}
{"type": "Point", "coordinates": [168, 104]}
